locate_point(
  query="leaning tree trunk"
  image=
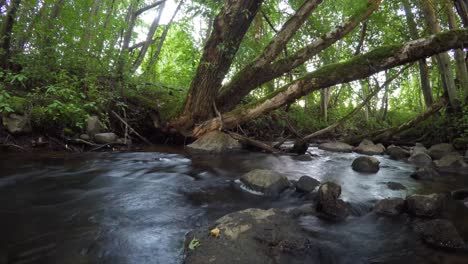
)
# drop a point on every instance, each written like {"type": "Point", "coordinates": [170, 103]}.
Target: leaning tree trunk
{"type": "Point", "coordinates": [229, 28]}
{"type": "Point", "coordinates": [359, 67]}
{"type": "Point", "coordinates": [462, 10]}
{"type": "Point", "coordinates": [443, 59]}
{"type": "Point", "coordinates": [423, 68]}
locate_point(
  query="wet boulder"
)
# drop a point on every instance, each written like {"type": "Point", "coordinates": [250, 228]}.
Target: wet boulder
{"type": "Point", "coordinates": [460, 194]}
{"type": "Point", "coordinates": [266, 181]}
{"type": "Point", "coordinates": [390, 206]}
{"type": "Point", "coordinates": [105, 138]}
{"type": "Point", "coordinates": [426, 174]}
{"type": "Point", "coordinates": [248, 236]}
{"type": "Point", "coordinates": [215, 142]}
{"type": "Point", "coordinates": [300, 147]}
{"type": "Point", "coordinates": [397, 153]}
{"type": "Point", "coordinates": [440, 233]}
{"type": "Point", "coordinates": [366, 164]}
{"type": "Point", "coordinates": [307, 184]}
{"type": "Point", "coordinates": [425, 205]}
{"type": "Point", "coordinates": [304, 157]}
{"type": "Point", "coordinates": [94, 126]}
{"type": "Point", "coordinates": [440, 150]}
{"type": "Point", "coordinates": [418, 148]}
{"type": "Point", "coordinates": [368, 147]}
{"type": "Point", "coordinates": [336, 147]}
{"type": "Point", "coordinates": [420, 159]}
{"type": "Point", "coordinates": [452, 163]}
{"type": "Point", "coordinates": [395, 186]}
{"type": "Point", "coordinates": [16, 123]}
{"type": "Point", "coordinates": [329, 203]}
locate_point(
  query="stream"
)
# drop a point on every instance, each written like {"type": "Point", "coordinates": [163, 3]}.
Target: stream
{"type": "Point", "coordinates": [137, 207]}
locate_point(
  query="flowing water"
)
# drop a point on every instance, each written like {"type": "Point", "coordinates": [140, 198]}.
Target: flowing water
{"type": "Point", "coordinates": [137, 207]}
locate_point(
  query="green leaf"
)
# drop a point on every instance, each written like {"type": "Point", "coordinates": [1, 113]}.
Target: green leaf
{"type": "Point", "coordinates": [194, 244]}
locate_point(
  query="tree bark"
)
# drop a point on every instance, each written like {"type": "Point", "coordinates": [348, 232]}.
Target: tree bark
{"type": "Point", "coordinates": [5, 34]}
{"type": "Point", "coordinates": [229, 29]}
{"type": "Point", "coordinates": [247, 79]}
{"type": "Point", "coordinates": [354, 69]}
{"type": "Point", "coordinates": [462, 10]}
{"type": "Point", "coordinates": [422, 64]}
{"type": "Point", "coordinates": [443, 59]}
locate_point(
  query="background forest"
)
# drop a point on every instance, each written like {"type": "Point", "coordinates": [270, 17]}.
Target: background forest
{"type": "Point", "coordinates": [64, 60]}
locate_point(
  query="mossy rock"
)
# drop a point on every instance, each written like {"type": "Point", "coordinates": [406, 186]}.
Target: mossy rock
{"type": "Point", "coordinates": [18, 104]}
{"type": "Point", "coordinates": [460, 143]}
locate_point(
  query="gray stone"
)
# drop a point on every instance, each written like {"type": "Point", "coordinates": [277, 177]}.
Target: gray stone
{"type": "Point", "coordinates": [250, 236]}
{"type": "Point", "coordinates": [17, 124]}
{"type": "Point", "coordinates": [440, 150]}
{"type": "Point", "coordinates": [397, 153]}
{"type": "Point", "coordinates": [307, 184]}
{"type": "Point", "coordinates": [105, 138]}
{"type": "Point", "coordinates": [419, 148]}
{"type": "Point", "coordinates": [395, 186]}
{"type": "Point", "coordinates": [425, 174]}
{"type": "Point", "coordinates": [366, 164]}
{"type": "Point", "coordinates": [368, 147]}
{"type": "Point", "coordinates": [266, 181]}
{"type": "Point", "coordinates": [336, 147]}
{"type": "Point", "coordinates": [304, 157]}
{"type": "Point", "coordinates": [328, 202]}
{"type": "Point", "coordinates": [440, 233]}
{"type": "Point", "coordinates": [425, 205]}
{"type": "Point", "coordinates": [390, 206]}
{"type": "Point", "coordinates": [85, 137]}
{"type": "Point", "coordinates": [452, 163]}
{"type": "Point", "coordinates": [93, 126]}
{"type": "Point", "coordinates": [420, 159]}
{"type": "Point", "coordinates": [215, 142]}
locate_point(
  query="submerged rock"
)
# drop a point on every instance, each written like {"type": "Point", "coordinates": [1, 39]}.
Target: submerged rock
{"type": "Point", "coordinates": [368, 147]}
{"type": "Point", "coordinates": [420, 159]}
{"type": "Point", "coordinates": [426, 174]}
{"type": "Point", "coordinates": [395, 186]}
{"type": "Point", "coordinates": [440, 233]}
{"type": "Point", "coordinates": [366, 164]}
{"type": "Point", "coordinates": [17, 124]}
{"type": "Point", "coordinates": [336, 147]}
{"type": "Point", "coordinates": [452, 163]}
{"type": "Point", "coordinates": [397, 153]}
{"type": "Point", "coordinates": [328, 202]}
{"type": "Point", "coordinates": [425, 205]}
{"type": "Point", "coordinates": [250, 236]}
{"type": "Point", "coordinates": [440, 150]}
{"type": "Point", "coordinates": [105, 138]}
{"type": "Point", "coordinates": [215, 142]}
{"type": "Point", "coordinates": [307, 184]}
{"type": "Point", "coordinates": [266, 181]}
{"type": "Point", "coordinates": [390, 206]}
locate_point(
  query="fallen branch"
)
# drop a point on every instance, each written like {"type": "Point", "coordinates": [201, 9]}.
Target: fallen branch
{"type": "Point", "coordinates": [253, 142]}
{"type": "Point", "coordinates": [131, 128]}
{"type": "Point", "coordinates": [14, 146]}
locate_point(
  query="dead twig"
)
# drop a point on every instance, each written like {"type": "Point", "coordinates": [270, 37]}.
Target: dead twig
{"type": "Point", "coordinates": [131, 129]}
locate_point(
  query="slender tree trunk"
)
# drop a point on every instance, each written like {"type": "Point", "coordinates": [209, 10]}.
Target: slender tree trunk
{"type": "Point", "coordinates": [324, 101]}
{"type": "Point", "coordinates": [462, 10]}
{"type": "Point", "coordinates": [443, 59]}
{"type": "Point", "coordinates": [6, 32]}
{"type": "Point", "coordinates": [229, 29]}
{"type": "Point", "coordinates": [461, 69]}
{"type": "Point", "coordinates": [155, 56]}
{"type": "Point", "coordinates": [359, 67]}
{"type": "Point", "coordinates": [149, 39]}
{"type": "Point", "coordinates": [422, 64]}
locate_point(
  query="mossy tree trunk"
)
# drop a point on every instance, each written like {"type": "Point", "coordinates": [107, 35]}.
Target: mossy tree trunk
{"type": "Point", "coordinates": [354, 69]}
{"type": "Point", "coordinates": [6, 31]}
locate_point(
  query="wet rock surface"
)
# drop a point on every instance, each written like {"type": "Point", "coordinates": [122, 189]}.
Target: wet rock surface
{"type": "Point", "coordinates": [426, 174]}
{"type": "Point", "coordinates": [440, 233]}
{"type": "Point", "coordinates": [336, 147]}
{"type": "Point", "coordinates": [397, 153]}
{"type": "Point", "coordinates": [368, 147]}
{"type": "Point", "coordinates": [390, 206]}
{"type": "Point", "coordinates": [425, 205]}
{"type": "Point", "coordinates": [329, 203]}
{"type": "Point", "coordinates": [266, 181]}
{"type": "Point", "coordinates": [366, 164]}
{"type": "Point", "coordinates": [16, 123]}
{"type": "Point", "coordinates": [105, 138]}
{"type": "Point", "coordinates": [307, 184]}
{"type": "Point", "coordinates": [215, 142]}
{"type": "Point", "coordinates": [420, 159]}
{"type": "Point", "coordinates": [440, 150]}
{"type": "Point", "coordinates": [453, 163]}
{"type": "Point", "coordinates": [395, 186]}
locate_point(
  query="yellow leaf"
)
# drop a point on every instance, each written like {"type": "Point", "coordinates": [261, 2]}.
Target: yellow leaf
{"type": "Point", "coordinates": [215, 232]}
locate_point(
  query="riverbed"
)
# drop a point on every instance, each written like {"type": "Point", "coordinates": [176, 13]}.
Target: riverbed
{"type": "Point", "coordinates": [137, 207]}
